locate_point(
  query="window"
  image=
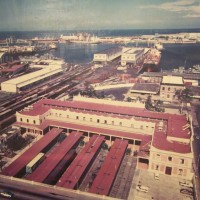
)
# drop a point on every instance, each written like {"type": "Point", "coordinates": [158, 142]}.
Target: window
{"type": "Point", "coordinates": [105, 121]}
{"type": "Point", "coordinates": [168, 88]}
{"type": "Point", "coordinates": [98, 120]}
{"type": "Point", "coordinates": [91, 119]}
{"type": "Point", "coordinates": [180, 172]}
{"type": "Point", "coordinates": [120, 123]}
{"type": "Point", "coordinates": [163, 88]}
{"type": "Point", "coordinates": [157, 167]}
{"type": "Point", "coordinates": [83, 118]}
{"type": "Point", "coordinates": [170, 158]}
{"type": "Point", "coordinates": [34, 121]}
{"type": "Point", "coordinates": [182, 161]}
{"type": "Point", "coordinates": [168, 96]}
{"type": "Point", "coordinates": [77, 117]}
{"type": "Point", "coordinates": [21, 119]}
{"type": "Point", "coordinates": [27, 120]}
{"type": "Point", "coordinates": [112, 122]}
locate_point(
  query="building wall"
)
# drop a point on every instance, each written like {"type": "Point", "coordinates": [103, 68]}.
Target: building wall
{"type": "Point", "coordinates": [131, 58]}
{"type": "Point", "coordinates": [179, 164]}
{"type": "Point", "coordinates": [100, 57]}
{"type": "Point", "coordinates": [167, 92]}
{"type": "Point", "coordinates": [115, 123]}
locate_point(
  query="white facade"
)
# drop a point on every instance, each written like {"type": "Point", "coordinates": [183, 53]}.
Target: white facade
{"type": "Point", "coordinates": [108, 55]}
{"type": "Point", "coordinates": [131, 56]}
{"type": "Point", "coordinates": [14, 85]}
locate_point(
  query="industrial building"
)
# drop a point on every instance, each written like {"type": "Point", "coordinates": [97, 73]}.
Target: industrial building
{"type": "Point", "coordinates": [105, 178]}
{"type": "Point", "coordinates": [50, 163]}
{"type": "Point", "coordinates": [116, 119]}
{"type": "Point", "coordinates": [14, 69]}
{"type": "Point", "coordinates": [107, 55]}
{"type": "Point", "coordinates": [159, 142]}
{"type": "Point", "coordinates": [23, 82]}
{"type": "Point", "coordinates": [77, 170]}
{"type": "Point", "coordinates": [131, 56]}
{"type": "Point", "coordinates": [18, 167]}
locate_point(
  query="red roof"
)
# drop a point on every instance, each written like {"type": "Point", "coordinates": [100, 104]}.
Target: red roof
{"type": "Point", "coordinates": [13, 68]}
{"type": "Point", "coordinates": [160, 142]}
{"type": "Point", "coordinates": [61, 167]}
{"type": "Point", "coordinates": [106, 175]}
{"type": "Point", "coordinates": [175, 124]}
{"type": "Point", "coordinates": [76, 170]}
{"type": "Point", "coordinates": [16, 166]}
{"type": "Point", "coordinates": [49, 164]}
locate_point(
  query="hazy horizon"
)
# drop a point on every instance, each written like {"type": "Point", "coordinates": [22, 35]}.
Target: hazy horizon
{"type": "Point", "coordinates": [60, 15]}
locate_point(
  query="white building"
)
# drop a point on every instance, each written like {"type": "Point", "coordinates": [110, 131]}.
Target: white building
{"type": "Point", "coordinates": [169, 86]}
{"type": "Point", "coordinates": [132, 55]}
{"type": "Point", "coordinates": [17, 84]}
{"type": "Point", "coordinates": [107, 55]}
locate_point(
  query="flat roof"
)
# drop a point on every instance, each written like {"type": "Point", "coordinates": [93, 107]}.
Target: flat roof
{"type": "Point", "coordinates": [133, 51]}
{"type": "Point", "coordinates": [110, 51]}
{"type": "Point", "coordinates": [175, 80]}
{"type": "Point", "coordinates": [106, 175]}
{"type": "Point", "coordinates": [191, 76]}
{"type": "Point", "coordinates": [49, 164]}
{"type": "Point", "coordinates": [17, 165]}
{"type": "Point", "coordinates": [77, 168]}
{"type": "Point", "coordinates": [13, 68]}
{"type": "Point", "coordinates": [32, 77]}
{"type": "Point", "coordinates": [149, 87]}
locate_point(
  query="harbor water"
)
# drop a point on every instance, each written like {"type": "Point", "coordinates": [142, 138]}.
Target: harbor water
{"type": "Point", "coordinates": [173, 55]}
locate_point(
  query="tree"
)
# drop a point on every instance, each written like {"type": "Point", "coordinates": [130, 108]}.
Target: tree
{"type": "Point", "coordinates": [184, 95]}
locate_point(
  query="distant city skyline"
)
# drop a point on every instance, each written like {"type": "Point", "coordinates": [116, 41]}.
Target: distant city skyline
{"type": "Point", "coordinates": [29, 15]}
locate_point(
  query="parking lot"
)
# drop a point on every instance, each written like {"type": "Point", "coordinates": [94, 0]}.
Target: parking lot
{"type": "Point", "coordinates": [166, 188]}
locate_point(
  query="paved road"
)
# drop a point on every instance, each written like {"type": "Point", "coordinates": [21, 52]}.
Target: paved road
{"type": "Point", "coordinates": [27, 190]}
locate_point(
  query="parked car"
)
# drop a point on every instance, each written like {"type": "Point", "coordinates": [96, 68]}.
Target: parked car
{"type": "Point", "coordinates": [142, 188]}
{"type": "Point", "coordinates": [156, 176]}
{"type": "Point", "coordinates": [186, 184]}
{"type": "Point", "coordinates": [7, 194]}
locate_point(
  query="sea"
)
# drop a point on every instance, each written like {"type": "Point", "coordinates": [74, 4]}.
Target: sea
{"type": "Point", "coordinates": [173, 55]}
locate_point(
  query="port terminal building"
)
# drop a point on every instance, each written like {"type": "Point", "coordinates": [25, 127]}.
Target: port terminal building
{"type": "Point", "coordinates": [151, 135]}
{"type": "Point", "coordinates": [21, 83]}
{"type": "Point", "coordinates": [107, 55]}
{"type": "Point", "coordinates": [132, 56]}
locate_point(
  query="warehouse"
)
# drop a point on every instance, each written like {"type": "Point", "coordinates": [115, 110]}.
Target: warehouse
{"type": "Point", "coordinates": [113, 120]}
{"type": "Point", "coordinates": [23, 82]}
{"type": "Point", "coordinates": [106, 176]}
{"type": "Point", "coordinates": [17, 167]}
{"type": "Point", "coordinates": [49, 164]}
{"type": "Point", "coordinates": [77, 170]}
{"type": "Point", "coordinates": [107, 55]}
{"type": "Point", "coordinates": [132, 56]}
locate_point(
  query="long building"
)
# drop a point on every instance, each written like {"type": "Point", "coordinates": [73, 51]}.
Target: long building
{"type": "Point", "coordinates": [23, 82]}
{"type": "Point", "coordinates": [149, 133]}
{"type": "Point", "coordinates": [107, 55]}
{"type": "Point", "coordinates": [50, 163]}
{"type": "Point", "coordinates": [76, 171]}
{"type": "Point", "coordinates": [17, 167]}
{"type": "Point", "coordinates": [106, 176]}
{"type": "Point", "coordinates": [132, 56]}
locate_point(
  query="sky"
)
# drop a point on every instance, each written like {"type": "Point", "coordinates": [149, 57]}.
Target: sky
{"type": "Point", "coordinates": [35, 15]}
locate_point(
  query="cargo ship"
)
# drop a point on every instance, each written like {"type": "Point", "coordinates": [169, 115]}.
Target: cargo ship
{"type": "Point", "coordinates": [152, 61]}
